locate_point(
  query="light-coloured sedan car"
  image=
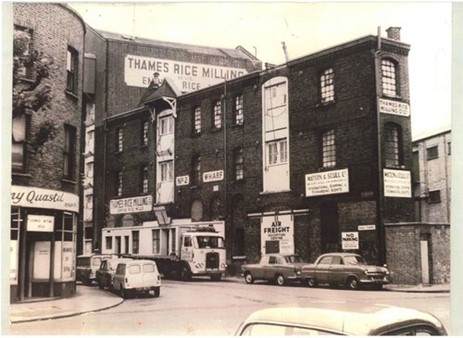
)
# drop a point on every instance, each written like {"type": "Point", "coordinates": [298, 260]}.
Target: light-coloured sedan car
{"type": "Point", "coordinates": [369, 320]}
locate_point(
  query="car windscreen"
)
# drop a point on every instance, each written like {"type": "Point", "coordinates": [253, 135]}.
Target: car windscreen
{"type": "Point", "coordinates": [293, 259]}
{"type": "Point", "coordinates": [213, 242]}
{"type": "Point", "coordinates": [354, 260]}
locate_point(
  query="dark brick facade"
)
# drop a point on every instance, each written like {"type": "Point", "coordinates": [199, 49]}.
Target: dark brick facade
{"type": "Point", "coordinates": [54, 28]}
{"type": "Point", "coordinates": [318, 221]}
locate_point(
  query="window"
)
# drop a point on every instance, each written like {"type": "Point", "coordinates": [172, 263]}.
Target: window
{"type": "Point", "coordinates": [434, 196]}
{"type": "Point", "coordinates": [69, 157]}
{"type": "Point", "coordinates": [135, 241]}
{"type": "Point", "coordinates": [449, 148]}
{"type": "Point", "coordinates": [71, 68]}
{"type": "Point", "coordinates": [432, 153]}
{"type": "Point", "coordinates": [277, 152]}
{"type": "Point", "coordinates": [238, 161]}
{"type": "Point", "coordinates": [144, 135]}
{"type": "Point", "coordinates": [329, 149]}
{"type": "Point", "coordinates": [327, 86]}
{"type": "Point", "coordinates": [156, 246]}
{"type": "Point", "coordinates": [120, 140]}
{"type": "Point", "coordinates": [389, 77]}
{"type": "Point", "coordinates": [144, 181]}
{"type": "Point", "coordinates": [109, 243]}
{"type": "Point", "coordinates": [196, 170]}
{"type": "Point", "coordinates": [217, 118]}
{"type": "Point", "coordinates": [197, 120]}
{"type": "Point", "coordinates": [393, 145]}
{"type": "Point", "coordinates": [119, 183]}
{"type": "Point", "coordinates": [21, 135]}
{"type": "Point", "coordinates": [167, 171]}
{"type": "Point", "coordinates": [239, 115]}
{"type": "Point", "coordinates": [166, 125]}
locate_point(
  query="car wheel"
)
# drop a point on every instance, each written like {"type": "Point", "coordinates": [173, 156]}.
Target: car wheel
{"type": "Point", "coordinates": [280, 280]}
{"type": "Point", "coordinates": [353, 283]}
{"type": "Point", "coordinates": [101, 286]}
{"type": "Point", "coordinates": [312, 282]}
{"type": "Point", "coordinates": [248, 278]}
{"type": "Point", "coordinates": [124, 293]}
{"type": "Point", "coordinates": [378, 287]}
{"type": "Point", "coordinates": [157, 291]}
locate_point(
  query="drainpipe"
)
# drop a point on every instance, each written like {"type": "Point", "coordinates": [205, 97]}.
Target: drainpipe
{"type": "Point", "coordinates": [379, 200]}
{"type": "Point", "coordinates": [225, 155]}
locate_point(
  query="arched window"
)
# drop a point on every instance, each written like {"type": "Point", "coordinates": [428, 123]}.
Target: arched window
{"type": "Point", "coordinates": [215, 208]}
{"type": "Point", "coordinates": [197, 210]}
{"type": "Point", "coordinates": [389, 77]}
{"type": "Point", "coordinates": [393, 145]}
{"type": "Point", "coordinates": [217, 114]}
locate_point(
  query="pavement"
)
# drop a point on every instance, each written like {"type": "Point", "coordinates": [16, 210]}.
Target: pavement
{"type": "Point", "coordinates": [92, 299]}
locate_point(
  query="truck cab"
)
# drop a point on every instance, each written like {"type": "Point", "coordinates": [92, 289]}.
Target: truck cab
{"type": "Point", "coordinates": [204, 251]}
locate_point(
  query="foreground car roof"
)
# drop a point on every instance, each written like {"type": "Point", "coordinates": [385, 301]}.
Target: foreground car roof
{"type": "Point", "coordinates": [350, 319]}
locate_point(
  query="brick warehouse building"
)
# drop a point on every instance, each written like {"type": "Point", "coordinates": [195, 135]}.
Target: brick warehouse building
{"type": "Point", "coordinates": [308, 157]}
{"type": "Point", "coordinates": [119, 70]}
{"type": "Point", "coordinates": [45, 180]}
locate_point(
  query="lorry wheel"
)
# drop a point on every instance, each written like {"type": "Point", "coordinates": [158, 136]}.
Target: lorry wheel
{"type": "Point", "coordinates": [353, 283]}
{"type": "Point", "coordinates": [312, 282]}
{"type": "Point", "coordinates": [185, 274]}
{"type": "Point", "coordinates": [280, 280]}
{"type": "Point", "coordinates": [157, 291]}
{"type": "Point", "coordinates": [216, 277]}
{"type": "Point", "coordinates": [248, 278]}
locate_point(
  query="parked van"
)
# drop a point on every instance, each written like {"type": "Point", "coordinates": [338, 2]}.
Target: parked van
{"type": "Point", "coordinates": [137, 276]}
{"type": "Point", "coordinates": [87, 266]}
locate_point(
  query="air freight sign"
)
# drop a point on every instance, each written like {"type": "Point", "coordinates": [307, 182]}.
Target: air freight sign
{"type": "Point", "coordinates": [278, 232]}
{"type": "Point", "coordinates": [327, 182]}
{"type": "Point", "coordinates": [187, 76]}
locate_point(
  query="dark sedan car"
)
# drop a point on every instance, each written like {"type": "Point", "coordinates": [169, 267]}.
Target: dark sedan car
{"type": "Point", "coordinates": [105, 274]}
{"type": "Point", "coordinates": [344, 268]}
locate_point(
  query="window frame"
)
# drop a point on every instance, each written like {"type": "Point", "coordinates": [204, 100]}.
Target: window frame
{"type": "Point", "coordinates": [217, 115]}
{"type": "Point", "coordinates": [197, 125]}
{"type": "Point", "coordinates": [395, 158]}
{"type": "Point", "coordinates": [390, 77]}
{"type": "Point", "coordinates": [238, 164]}
{"type": "Point", "coordinates": [72, 58]}
{"type": "Point", "coordinates": [145, 133]}
{"type": "Point", "coordinates": [328, 148]}
{"type": "Point", "coordinates": [327, 86]}
{"type": "Point", "coordinates": [196, 170]}
{"type": "Point", "coordinates": [431, 154]}
{"type": "Point", "coordinates": [144, 179]}
{"type": "Point", "coordinates": [21, 143]}
{"type": "Point", "coordinates": [119, 140]}
{"type": "Point", "coordinates": [166, 125]}
{"type": "Point", "coordinates": [119, 183]}
{"type": "Point", "coordinates": [239, 110]}
{"type": "Point", "coordinates": [277, 152]}
{"type": "Point", "coordinates": [166, 170]}
{"type": "Point", "coordinates": [25, 72]}
{"type": "Point", "coordinates": [434, 197]}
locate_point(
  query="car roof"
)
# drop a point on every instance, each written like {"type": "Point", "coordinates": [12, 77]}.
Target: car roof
{"type": "Point", "coordinates": [347, 319]}
{"type": "Point", "coordinates": [138, 261]}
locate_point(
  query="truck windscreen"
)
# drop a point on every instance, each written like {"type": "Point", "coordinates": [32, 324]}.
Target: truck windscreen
{"type": "Point", "coordinates": [212, 242]}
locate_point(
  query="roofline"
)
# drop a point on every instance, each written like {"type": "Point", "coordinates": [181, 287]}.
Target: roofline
{"type": "Point", "coordinates": [445, 130]}
{"type": "Point", "coordinates": [125, 114]}
{"type": "Point", "coordinates": [65, 6]}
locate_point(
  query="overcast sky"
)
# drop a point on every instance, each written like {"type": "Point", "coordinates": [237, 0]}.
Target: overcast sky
{"type": "Point", "coordinates": [305, 28]}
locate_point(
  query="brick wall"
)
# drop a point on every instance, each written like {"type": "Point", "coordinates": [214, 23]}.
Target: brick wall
{"type": "Point", "coordinates": [55, 27]}
{"type": "Point", "coordinates": [404, 255]}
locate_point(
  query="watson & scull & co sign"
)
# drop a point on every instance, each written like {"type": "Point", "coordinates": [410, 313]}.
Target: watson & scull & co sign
{"type": "Point", "coordinates": [327, 182]}
{"type": "Point", "coordinates": [397, 183]}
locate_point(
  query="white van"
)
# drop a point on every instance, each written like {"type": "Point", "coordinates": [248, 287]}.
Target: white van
{"type": "Point", "coordinates": [137, 276]}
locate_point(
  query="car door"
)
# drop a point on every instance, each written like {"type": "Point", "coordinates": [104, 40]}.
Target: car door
{"type": "Point", "coordinates": [336, 274]}
{"type": "Point", "coordinates": [269, 267]}
{"type": "Point", "coordinates": [323, 269]}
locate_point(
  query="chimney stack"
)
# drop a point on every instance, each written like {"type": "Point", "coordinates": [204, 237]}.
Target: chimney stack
{"type": "Point", "coordinates": [393, 33]}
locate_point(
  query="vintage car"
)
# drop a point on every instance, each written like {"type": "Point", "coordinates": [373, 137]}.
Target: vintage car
{"type": "Point", "coordinates": [87, 266]}
{"type": "Point", "coordinates": [137, 276]}
{"type": "Point", "coordinates": [276, 268]}
{"type": "Point", "coordinates": [341, 319]}
{"type": "Point", "coordinates": [105, 274]}
{"type": "Point", "coordinates": [344, 268]}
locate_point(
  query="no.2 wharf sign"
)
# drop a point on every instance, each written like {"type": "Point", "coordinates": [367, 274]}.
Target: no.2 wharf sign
{"type": "Point", "coordinates": [186, 76]}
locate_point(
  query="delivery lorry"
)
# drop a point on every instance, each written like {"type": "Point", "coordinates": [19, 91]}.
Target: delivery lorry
{"type": "Point", "coordinates": [182, 249]}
